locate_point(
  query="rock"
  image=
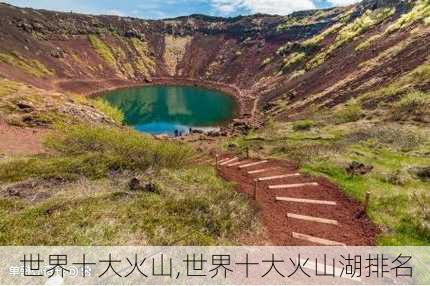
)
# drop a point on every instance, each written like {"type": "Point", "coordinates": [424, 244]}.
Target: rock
{"type": "Point", "coordinates": [357, 168]}
{"type": "Point", "coordinates": [423, 173]}
{"type": "Point", "coordinates": [24, 105]}
{"type": "Point", "coordinates": [241, 126]}
{"type": "Point", "coordinates": [135, 185]}
{"type": "Point", "coordinates": [38, 27]}
{"type": "Point", "coordinates": [25, 26]}
{"type": "Point", "coordinates": [162, 137]}
{"type": "Point", "coordinates": [57, 53]}
{"type": "Point", "coordinates": [213, 134]}
{"type": "Point", "coordinates": [133, 33]}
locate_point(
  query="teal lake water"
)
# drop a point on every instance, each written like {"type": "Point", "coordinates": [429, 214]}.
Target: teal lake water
{"type": "Point", "coordinates": [164, 109]}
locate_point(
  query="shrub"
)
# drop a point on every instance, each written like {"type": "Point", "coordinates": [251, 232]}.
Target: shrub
{"type": "Point", "coordinates": [303, 125]}
{"type": "Point", "coordinates": [414, 104]}
{"type": "Point", "coordinates": [94, 152]}
{"type": "Point", "coordinates": [351, 112]}
{"type": "Point", "coordinates": [108, 109]}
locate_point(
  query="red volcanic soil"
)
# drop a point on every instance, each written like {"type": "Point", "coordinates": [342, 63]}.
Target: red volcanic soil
{"type": "Point", "coordinates": [354, 228]}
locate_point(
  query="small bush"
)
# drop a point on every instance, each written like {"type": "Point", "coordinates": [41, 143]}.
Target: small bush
{"type": "Point", "coordinates": [414, 104]}
{"type": "Point", "coordinates": [351, 112]}
{"type": "Point", "coordinates": [108, 109]}
{"type": "Point", "coordinates": [303, 125]}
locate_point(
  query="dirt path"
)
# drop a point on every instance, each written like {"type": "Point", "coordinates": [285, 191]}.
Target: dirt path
{"type": "Point", "coordinates": [309, 211]}
{"type": "Point", "coordinates": [20, 141]}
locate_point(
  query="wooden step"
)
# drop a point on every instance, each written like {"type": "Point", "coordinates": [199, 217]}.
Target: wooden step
{"type": "Point", "coordinates": [278, 177]}
{"type": "Point", "coordinates": [223, 160]}
{"type": "Point", "coordinates": [229, 161]}
{"type": "Point", "coordinates": [290, 186]}
{"type": "Point", "coordinates": [263, 170]}
{"type": "Point", "coordinates": [237, 163]}
{"type": "Point", "coordinates": [317, 240]}
{"type": "Point", "coordinates": [305, 201]}
{"type": "Point", "coordinates": [253, 164]}
{"type": "Point", "coordinates": [312, 218]}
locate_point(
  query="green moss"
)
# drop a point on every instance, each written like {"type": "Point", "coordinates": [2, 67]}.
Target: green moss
{"type": "Point", "coordinates": [293, 60]}
{"type": "Point", "coordinates": [144, 64]}
{"type": "Point", "coordinates": [303, 125]}
{"type": "Point", "coordinates": [351, 32]}
{"type": "Point", "coordinates": [420, 12]}
{"type": "Point", "coordinates": [321, 36]}
{"type": "Point", "coordinates": [7, 87]}
{"type": "Point", "coordinates": [32, 67]}
{"type": "Point", "coordinates": [351, 112]}
{"type": "Point", "coordinates": [366, 44]}
{"type": "Point", "coordinates": [103, 50]}
{"type": "Point", "coordinates": [414, 104]}
{"type": "Point", "coordinates": [383, 96]}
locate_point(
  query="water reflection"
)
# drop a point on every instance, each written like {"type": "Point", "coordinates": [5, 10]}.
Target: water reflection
{"type": "Point", "coordinates": [164, 109]}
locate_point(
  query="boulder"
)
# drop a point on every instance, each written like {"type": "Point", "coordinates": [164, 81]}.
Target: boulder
{"type": "Point", "coordinates": [136, 185]}
{"type": "Point", "coordinates": [357, 168]}
{"type": "Point", "coordinates": [24, 105]}
{"type": "Point", "coordinates": [423, 173]}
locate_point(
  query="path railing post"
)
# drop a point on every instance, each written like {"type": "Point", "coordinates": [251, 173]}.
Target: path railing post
{"type": "Point", "coordinates": [255, 189]}
{"type": "Point", "coordinates": [216, 161]}
{"type": "Point", "coordinates": [366, 202]}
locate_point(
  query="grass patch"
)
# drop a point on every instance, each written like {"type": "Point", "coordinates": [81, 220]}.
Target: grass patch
{"type": "Point", "coordinates": [193, 207]}
{"type": "Point", "coordinates": [415, 104]}
{"type": "Point", "coordinates": [292, 60]}
{"type": "Point", "coordinates": [351, 112]}
{"type": "Point", "coordinates": [103, 50]}
{"type": "Point", "coordinates": [144, 63]}
{"type": "Point", "coordinates": [94, 152]}
{"type": "Point", "coordinates": [32, 67]}
{"type": "Point", "coordinates": [351, 32]}
{"type": "Point", "coordinates": [303, 125]}
{"type": "Point", "coordinates": [108, 109]}
{"type": "Point", "coordinates": [420, 12]}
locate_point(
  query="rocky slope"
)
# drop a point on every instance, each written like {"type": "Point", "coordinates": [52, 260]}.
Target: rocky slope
{"type": "Point", "coordinates": [280, 64]}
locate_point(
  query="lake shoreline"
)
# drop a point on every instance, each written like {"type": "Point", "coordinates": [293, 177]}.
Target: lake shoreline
{"type": "Point", "coordinates": [98, 88]}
